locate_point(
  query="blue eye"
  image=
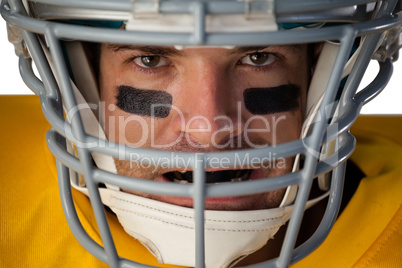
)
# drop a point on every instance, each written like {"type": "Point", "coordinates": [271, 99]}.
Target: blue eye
{"type": "Point", "coordinates": [151, 61]}
{"type": "Point", "coordinates": [258, 59]}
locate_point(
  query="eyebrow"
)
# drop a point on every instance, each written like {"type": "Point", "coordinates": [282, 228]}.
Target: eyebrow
{"type": "Point", "coordinates": [247, 49]}
{"type": "Point", "coordinates": [170, 51]}
{"type": "Point", "coordinates": [152, 50]}
{"type": "Point", "coordinates": [242, 50]}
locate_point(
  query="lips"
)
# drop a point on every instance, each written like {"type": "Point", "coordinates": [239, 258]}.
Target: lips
{"type": "Point", "coordinates": [211, 177]}
{"type": "Point", "coordinates": [233, 203]}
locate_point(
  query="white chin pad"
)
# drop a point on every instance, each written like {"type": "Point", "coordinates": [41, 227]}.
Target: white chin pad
{"type": "Point", "coordinates": [168, 231]}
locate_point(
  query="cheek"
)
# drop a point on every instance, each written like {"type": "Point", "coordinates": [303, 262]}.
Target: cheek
{"type": "Point", "coordinates": [288, 126]}
{"type": "Point", "coordinates": [273, 129]}
{"type": "Point", "coordinates": [136, 130]}
{"type": "Point", "coordinates": [127, 129]}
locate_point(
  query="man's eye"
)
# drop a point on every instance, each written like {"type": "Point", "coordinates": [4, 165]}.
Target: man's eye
{"type": "Point", "coordinates": [151, 61]}
{"type": "Point", "coordinates": [258, 59]}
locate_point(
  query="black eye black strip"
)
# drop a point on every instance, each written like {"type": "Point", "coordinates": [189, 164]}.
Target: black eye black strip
{"type": "Point", "coordinates": [144, 102]}
{"type": "Point", "coordinates": [271, 100]}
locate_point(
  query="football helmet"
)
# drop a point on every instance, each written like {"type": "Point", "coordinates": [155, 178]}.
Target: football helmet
{"type": "Point", "coordinates": [52, 34]}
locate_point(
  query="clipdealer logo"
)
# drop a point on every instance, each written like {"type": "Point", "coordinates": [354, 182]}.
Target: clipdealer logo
{"type": "Point", "coordinates": [119, 125]}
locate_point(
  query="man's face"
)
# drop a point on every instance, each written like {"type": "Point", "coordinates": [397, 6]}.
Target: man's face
{"type": "Point", "coordinates": [204, 100]}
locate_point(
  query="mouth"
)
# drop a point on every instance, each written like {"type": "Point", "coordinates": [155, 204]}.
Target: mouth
{"type": "Point", "coordinates": [212, 177]}
{"type": "Point", "coordinates": [229, 202]}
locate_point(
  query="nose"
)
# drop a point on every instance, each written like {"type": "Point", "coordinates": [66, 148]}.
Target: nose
{"type": "Point", "coordinates": [208, 107]}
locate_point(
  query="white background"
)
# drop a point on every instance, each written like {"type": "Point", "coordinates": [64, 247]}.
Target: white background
{"type": "Point", "coordinates": [388, 102]}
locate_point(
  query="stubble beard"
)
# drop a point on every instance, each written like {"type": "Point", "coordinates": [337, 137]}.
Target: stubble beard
{"type": "Point", "coordinates": [267, 200]}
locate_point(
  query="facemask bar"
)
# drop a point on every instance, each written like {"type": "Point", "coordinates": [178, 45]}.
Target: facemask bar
{"type": "Point", "coordinates": [347, 36]}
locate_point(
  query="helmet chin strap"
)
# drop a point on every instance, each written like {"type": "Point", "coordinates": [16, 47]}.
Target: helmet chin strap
{"type": "Point", "coordinates": [318, 85]}
{"type": "Point", "coordinates": [315, 95]}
